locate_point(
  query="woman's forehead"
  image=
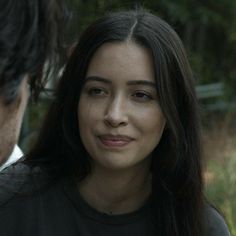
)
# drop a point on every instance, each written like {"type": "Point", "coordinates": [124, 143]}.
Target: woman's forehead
{"type": "Point", "coordinates": [122, 59]}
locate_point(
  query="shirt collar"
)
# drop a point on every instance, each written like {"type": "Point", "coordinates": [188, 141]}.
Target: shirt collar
{"type": "Point", "coordinates": [15, 156]}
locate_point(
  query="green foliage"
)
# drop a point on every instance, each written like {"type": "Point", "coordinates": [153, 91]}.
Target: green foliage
{"type": "Point", "coordinates": [33, 120]}
{"type": "Point", "coordinates": [220, 151]}
{"type": "Point", "coordinates": [87, 11]}
{"type": "Point", "coordinates": [222, 190]}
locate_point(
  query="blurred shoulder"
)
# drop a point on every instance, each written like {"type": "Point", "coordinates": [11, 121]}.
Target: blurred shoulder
{"type": "Point", "coordinates": [17, 178]}
{"type": "Point", "coordinates": [216, 225]}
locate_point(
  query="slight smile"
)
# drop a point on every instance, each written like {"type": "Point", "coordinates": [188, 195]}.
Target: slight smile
{"type": "Point", "coordinates": [114, 141]}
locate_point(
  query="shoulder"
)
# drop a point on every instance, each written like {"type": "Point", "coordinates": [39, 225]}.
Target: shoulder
{"type": "Point", "coordinates": [216, 225]}
{"type": "Point", "coordinates": [17, 178]}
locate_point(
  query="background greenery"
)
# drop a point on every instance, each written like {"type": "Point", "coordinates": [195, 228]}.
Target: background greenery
{"type": "Point", "coordinates": [208, 31]}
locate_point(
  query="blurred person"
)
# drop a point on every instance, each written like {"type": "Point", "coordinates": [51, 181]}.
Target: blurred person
{"type": "Point", "coordinates": [120, 150]}
{"type": "Point", "coordinates": [30, 36]}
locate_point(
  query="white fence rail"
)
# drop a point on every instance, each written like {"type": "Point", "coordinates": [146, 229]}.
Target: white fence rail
{"type": "Point", "coordinates": [214, 90]}
{"type": "Point", "coordinates": [210, 90]}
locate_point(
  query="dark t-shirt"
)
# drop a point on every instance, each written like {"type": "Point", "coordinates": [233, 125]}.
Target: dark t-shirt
{"type": "Point", "coordinates": [59, 210]}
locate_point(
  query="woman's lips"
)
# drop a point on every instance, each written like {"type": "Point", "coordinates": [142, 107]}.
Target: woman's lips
{"type": "Point", "coordinates": [115, 140]}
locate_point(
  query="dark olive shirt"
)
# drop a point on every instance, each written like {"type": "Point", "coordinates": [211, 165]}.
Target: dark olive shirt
{"type": "Point", "coordinates": [59, 210]}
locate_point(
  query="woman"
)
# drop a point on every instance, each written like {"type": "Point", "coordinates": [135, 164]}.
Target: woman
{"type": "Point", "coordinates": [120, 149]}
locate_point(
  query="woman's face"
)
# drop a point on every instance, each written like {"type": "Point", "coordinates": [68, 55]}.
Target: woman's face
{"type": "Point", "coordinates": [120, 120]}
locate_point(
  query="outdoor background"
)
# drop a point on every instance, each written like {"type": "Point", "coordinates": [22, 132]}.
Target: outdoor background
{"type": "Point", "coordinates": [208, 30]}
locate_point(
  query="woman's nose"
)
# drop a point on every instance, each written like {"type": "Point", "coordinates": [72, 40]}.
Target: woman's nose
{"type": "Point", "coordinates": [116, 113]}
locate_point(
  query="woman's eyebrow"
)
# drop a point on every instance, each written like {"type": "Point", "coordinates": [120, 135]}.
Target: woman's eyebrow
{"type": "Point", "coordinates": [97, 78]}
{"type": "Point", "coordinates": [142, 82]}
{"type": "Point", "coordinates": [131, 82]}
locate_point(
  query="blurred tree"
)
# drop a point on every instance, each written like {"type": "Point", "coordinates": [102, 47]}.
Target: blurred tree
{"type": "Point", "coordinates": [208, 29]}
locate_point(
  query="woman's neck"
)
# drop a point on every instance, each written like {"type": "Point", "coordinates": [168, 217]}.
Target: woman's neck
{"type": "Point", "coordinates": [116, 192]}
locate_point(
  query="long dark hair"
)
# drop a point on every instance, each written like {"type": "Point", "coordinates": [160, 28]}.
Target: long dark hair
{"type": "Point", "coordinates": [30, 35]}
{"type": "Point", "coordinates": [177, 196]}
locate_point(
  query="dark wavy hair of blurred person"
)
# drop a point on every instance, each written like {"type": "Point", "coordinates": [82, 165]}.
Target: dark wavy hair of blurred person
{"type": "Point", "coordinates": [177, 196]}
{"type": "Point", "coordinates": [31, 37]}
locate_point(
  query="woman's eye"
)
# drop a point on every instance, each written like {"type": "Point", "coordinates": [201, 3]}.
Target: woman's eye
{"type": "Point", "coordinates": [96, 92]}
{"type": "Point", "coordinates": [142, 96]}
